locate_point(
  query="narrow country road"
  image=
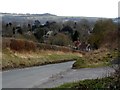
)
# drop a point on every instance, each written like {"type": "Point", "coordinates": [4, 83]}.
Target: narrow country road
{"type": "Point", "coordinates": [29, 77]}
{"type": "Point", "coordinates": [48, 76]}
{"type": "Point", "coordinates": [76, 75]}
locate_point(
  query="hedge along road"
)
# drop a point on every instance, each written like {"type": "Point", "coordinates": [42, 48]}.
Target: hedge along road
{"type": "Point", "coordinates": [51, 75]}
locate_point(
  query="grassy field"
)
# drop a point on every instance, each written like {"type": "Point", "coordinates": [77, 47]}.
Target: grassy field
{"type": "Point", "coordinates": [96, 58]}
{"type": "Point", "coordinates": [12, 59]}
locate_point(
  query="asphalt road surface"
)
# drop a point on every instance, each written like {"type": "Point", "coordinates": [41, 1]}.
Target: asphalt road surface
{"type": "Point", "coordinates": [28, 77]}
{"type": "Point", "coordinates": [51, 75]}
{"type": "Point", "coordinates": [76, 75]}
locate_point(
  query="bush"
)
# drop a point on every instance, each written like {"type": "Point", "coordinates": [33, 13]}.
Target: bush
{"type": "Point", "coordinates": [39, 32]}
{"type": "Point", "coordinates": [5, 43]}
{"type": "Point", "coordinates": [60, 39]}
{"type": "Point", "coordinates": [22, 45]}
{"type": "Point", "coordinates": [42, 46]}
{"type": "Point", "coordinates": [30, 46]}
{"type": "Point", "coordinates": [80, 63]}
{"type": "Point", "coordinates": [102, 32]}
{"type": "Point", "coordinates": [17, 45]}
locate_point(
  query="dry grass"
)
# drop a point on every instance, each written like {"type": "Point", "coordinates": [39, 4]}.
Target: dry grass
{"type": "Point", "coordinates": [12, 59]}
{"type": "Point", "coordinates": [21, 45]}
{"type": "Point", "coordinates": [19, 53]}
{"type": "Point", "coordinates": [100, 57]}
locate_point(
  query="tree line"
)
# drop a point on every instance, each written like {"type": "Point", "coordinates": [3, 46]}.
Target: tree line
{"type": "Point", "coordinates": [65, 33]}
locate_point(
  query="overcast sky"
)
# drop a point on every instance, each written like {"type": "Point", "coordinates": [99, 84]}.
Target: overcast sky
{"type": "Point", "coordinates": [89, 8]}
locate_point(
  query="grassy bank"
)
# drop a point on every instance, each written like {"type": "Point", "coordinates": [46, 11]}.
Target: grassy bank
{"type": "Point", "coordinates": [12, 59]}
{"type": "Point", "coordinates": [19, 53]}
{"type": "Point", "coordinates": [94, 83]}
{"type": "Point", "coordinates": [88, 84]}
{"type": "Point", "coordinates": [21, 45]}
{"type": "Point", "coordinates": [97, 58]}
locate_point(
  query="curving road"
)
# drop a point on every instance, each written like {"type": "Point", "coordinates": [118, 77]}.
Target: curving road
{"type": "Point", "coordinates": [48, 76]}
{"type": "Point", "coordinates": [28, 77]}
{"type": "Point", "coordinates": [76, 75]}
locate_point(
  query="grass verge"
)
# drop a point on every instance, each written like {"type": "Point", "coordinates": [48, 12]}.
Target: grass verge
{"type": "Point", "coordinates": [88, 84]}
{"type": "Point", "coordinates": [12, 59]}
{"type": "Point", "coordinates": [94, 83]}
{"type": "Point", "coordinates": [97, 58]}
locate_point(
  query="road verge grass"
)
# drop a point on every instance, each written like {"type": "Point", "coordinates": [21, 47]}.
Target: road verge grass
{"type": "Point", "coordinates": [97, 58]}
{"type": "Point", "coordinates": [87, 84]}
{"type": "Point", "coordinates": [12, 59]}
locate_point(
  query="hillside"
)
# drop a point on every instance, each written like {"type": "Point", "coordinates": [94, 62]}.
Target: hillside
{"type": "Point", "coordinates": [73, 33]}
{"type": "Point", "coordinates": [20, 18]}
{"type": "Point", "coordinates": [17, 53]}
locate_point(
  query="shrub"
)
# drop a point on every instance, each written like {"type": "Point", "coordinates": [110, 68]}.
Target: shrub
{"type": "Point", "coordinates": [30, 46]}
{"type": "Point", "coordinates": [80, 63]}
{"type": "Point", "coordinates": [102, 32]}
{"type": "Point", "coordinates": [5, 43]}
{"type": "Point", "coordinates": [39, 32]}
{"type": "Point", "coordinates": [60, 39]}
{"type": "Point", "coordinates": [17, 45]}
{"type": "Point", "coordinates": [22, 45]}
{"type": "Point", "coordinates": [42, 46]}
